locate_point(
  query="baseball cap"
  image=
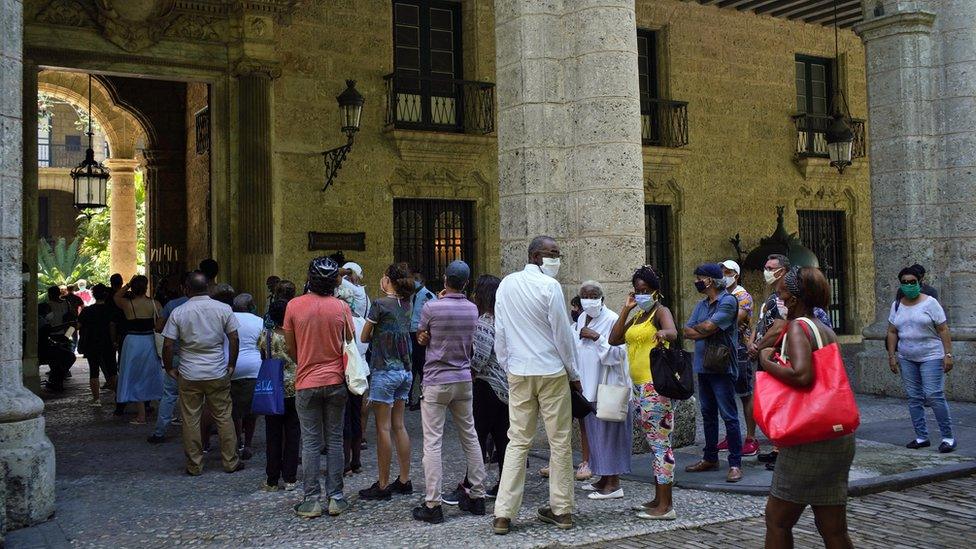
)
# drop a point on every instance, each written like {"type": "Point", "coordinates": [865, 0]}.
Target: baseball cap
{"type": "Point", "coordinates": [732, 266]}
{"type": "Point", "coordinates": [354, 267]}
{"type": "Point", "coordinates": [711, 270]}
{"type": "Point", "coordinates": [458, 270]}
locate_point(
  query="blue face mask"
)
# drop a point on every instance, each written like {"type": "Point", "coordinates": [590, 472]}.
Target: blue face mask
{"type": "Point", "coordinates": [417, 285]}
{"type": "Point", "coordinates": [644, 301]}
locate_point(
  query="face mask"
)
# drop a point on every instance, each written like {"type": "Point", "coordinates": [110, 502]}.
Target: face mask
{"type": "Point", "coordinates": [770, 276]}
{"type": "Point", "coordinates": [592, 307]}
{"type": "Point", "coordinates": [550, 266]}
{"type": "Point", "coordinates": [644, 301]}
{"type": "Point", "coordinates": [729, 281]}
{"type": "Point", "coordinates": [417, 285]}
{"type": "Point", "coordinates": [700, 285]}
{"type": "Point", "coordinates": [911, 291]}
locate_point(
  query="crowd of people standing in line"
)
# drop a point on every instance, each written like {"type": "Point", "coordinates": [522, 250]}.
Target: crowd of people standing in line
{"type": "Point", "coordinates": [497, 361]}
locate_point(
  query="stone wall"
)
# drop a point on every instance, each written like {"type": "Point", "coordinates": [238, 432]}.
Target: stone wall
{"type": "Point", "coordinates": [197, 180]}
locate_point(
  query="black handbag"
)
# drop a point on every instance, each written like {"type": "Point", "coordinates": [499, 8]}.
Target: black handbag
{"type": "Point", "coordinates": [717, 357]}
{"type": "Point", "coordinates": [672, 372]}
{"type": "Point", "coordinates": [581, 406]}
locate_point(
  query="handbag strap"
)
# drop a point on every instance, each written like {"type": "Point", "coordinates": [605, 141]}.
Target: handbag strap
{"type": "Point", "coordinates": [804, 323]}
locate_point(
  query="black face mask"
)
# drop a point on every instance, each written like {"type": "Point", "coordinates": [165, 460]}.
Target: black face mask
{"type": "Point", "coordinates": [700, 286]}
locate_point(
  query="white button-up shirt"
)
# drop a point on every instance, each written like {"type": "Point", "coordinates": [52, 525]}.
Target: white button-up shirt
{"type": "Point", "coordinates": [533, 332]}
{"type": "Point", "coordinates": [199, 326]}
{"type": "Point", "coordinates": [599, 358]}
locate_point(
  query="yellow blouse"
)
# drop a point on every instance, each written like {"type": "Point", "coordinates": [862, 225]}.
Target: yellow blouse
{"type": "Point", "coordinates": [640, 338]}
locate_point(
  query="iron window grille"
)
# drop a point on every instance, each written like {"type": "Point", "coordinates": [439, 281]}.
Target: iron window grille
{"type": "Point", "coordinates": [430, 234]}
{"type": "Point", "coordinates": [823, 232]}
{"type": "Point", "coordinates": [657, 244]}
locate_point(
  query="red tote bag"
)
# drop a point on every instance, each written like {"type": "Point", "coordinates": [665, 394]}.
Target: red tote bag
{"type": "Point", "coordinates": [824, 410]}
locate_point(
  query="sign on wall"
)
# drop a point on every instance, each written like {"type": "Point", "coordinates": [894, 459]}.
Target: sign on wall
{"type": "Point", "coordinates": [337, 241]}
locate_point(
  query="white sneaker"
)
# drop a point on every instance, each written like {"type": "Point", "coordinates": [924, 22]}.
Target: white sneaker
{"type": "Point", "coordinates": [616, 494]}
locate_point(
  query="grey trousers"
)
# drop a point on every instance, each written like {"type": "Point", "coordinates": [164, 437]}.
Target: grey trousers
{"type": "Point", "coordinates": [320, 414]}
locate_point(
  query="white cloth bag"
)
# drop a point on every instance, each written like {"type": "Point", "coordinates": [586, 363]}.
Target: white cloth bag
{"type": "Point", "coordinates": [612, 401]}
{"type": "Point", "coordinates": [356, 367]}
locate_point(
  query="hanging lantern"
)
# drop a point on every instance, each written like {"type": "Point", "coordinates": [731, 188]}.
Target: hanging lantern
{"type": "Point", "coordinates": [840, 142]}
{"type": "Point", "coordinates": [350, 108]}
{"type": "Point", "coordinates": [90, 177]}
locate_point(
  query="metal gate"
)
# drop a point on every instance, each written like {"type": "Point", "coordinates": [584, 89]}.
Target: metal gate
{"type": "Point", "coordinates": [430, 234]}
{"type": "Point", "coordinates": [823, 232]}
{"type": "Point", "coordinates": [657, 245]}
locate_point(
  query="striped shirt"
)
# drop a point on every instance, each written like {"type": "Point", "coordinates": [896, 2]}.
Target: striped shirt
{"type": "Point", "coordinates": [451, 322]}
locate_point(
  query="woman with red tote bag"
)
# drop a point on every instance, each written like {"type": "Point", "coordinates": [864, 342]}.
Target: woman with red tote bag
{"type": "Point", "coordinates": [813, 472]}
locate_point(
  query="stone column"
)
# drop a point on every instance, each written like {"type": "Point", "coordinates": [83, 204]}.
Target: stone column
{"type": "Point", "coordinates": [26, 454]}
{"type": "Point", "coordinates": [123, 216]}
{"type": "Point", "coordinates": [921, 72]}
{"type": "Point", "coordinates": [165, 181]}
{"type": "Point", "coordinates": [254, 205]}
{"type": "Point", "coordinates": [569, 143]}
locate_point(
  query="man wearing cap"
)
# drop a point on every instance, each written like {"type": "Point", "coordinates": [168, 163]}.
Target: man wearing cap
{"type": "Point", "coordinates": [419, 351]}
{"type": "Point", "coordinates": [713, 324]}
{"type": "Point", "coordinates": [447, 328]}
{"type": "Point", "coordinates": [352, 278]}
{"type": "Point", "coordinates": [744, 379]}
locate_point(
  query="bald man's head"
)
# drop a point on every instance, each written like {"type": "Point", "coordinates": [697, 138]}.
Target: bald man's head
{"type": "Point", "coordinates": [196, 284]}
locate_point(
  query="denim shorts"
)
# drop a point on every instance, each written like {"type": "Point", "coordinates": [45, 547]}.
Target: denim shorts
{"type": "Point", "coordinates": [387, 386]}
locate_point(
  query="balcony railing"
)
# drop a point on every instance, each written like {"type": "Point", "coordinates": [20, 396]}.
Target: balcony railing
{"type": "Point", "coordinates": [57, 155]}
{"type": "Point", "coordinates": [811, 139]}
{"type": "Point", "coordinates": [664, 123]}
{"type": "Point", "coordinates": [439, 104]}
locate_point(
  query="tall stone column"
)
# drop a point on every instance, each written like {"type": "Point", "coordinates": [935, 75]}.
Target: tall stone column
{"type": "Point", "coordinates": [122, 241]}
{"type": "Point", "coordinates": [921, 73]}
{"type": "Point", "coordinates": [569, 143]}
{"type": "Point", "coordinates": [26, 454]}
{"type": "Point", "coordinates": [255, 219]}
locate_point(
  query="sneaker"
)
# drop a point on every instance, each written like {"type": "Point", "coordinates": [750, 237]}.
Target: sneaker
{"type": "Point", "coordinates": [338, 506]}
{"type": "Point", "coordinates": [724, 445]}
{"type": "Point", "coordinates": [310, 508]}
{"type": "Point", "coordinates": [915, 444]}
{"type": "Point", "coordinates": [769, 457]}
{"type": "Point", "coordinates": [431, 515]}
{"type": "Point", "coordinates": [398, 487]}
{"type": "Point", "coordinates": [155, 439]}
{"type": "Point", "coordinates": [475, 506]}
{"type": "Point", "coordinates": [290, 486]}
{"type": "Point", "coordinates": [492, 492]}
{"type": "Point", "coordinates": [375, 492]}
{"type": "Point", "coordinates": [268, 487]}
{"type": "Point", "coordinates": [454, 496]}
{"type": "Point", "coordinates": [564, 522]}
{"type": "Point", "coordinates": [750, 447]}
{"type": "Point", "coordinates": [544, 472]}
{"type": "Point", "coordinates": [947, 446]}
{"type": "Point", "coordinates": [583, 472]}
{"type": "Point", "coordinates": [501, 525]}
{"type": "Point", "coordinates": [246, 453]}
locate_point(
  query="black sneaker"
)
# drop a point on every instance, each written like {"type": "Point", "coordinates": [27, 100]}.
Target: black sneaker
{"type": "Point", "coordinates": [492, 492]}
{"type": "Point", "coordinates": [769, 457]}
{"type": "Point", "coordinates": [945, 447]}
{"type": "Point", "coordinates": [915, 444]}
{"type": "Point", "coordinates": [454, 497]}
{"type": "Point", "coordinates": [398, 487]}
{"type": "Point", "coordinates": [472, 505]}
{"type": "Point", "coordinates": [375, 492]}
{"type": "Point", "coordinates": [155, 439]}
{"type": "Point", "coordinates": [432, 515]}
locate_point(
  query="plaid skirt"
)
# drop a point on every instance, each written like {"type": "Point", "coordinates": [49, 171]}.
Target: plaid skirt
{"type": "Point", "coordinates": [815, 473]}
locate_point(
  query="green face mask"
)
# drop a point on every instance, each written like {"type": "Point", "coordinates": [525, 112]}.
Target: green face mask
{"type": "Point", "coordinates": [911, 291]}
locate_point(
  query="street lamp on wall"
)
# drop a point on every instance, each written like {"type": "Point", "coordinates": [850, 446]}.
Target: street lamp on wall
{"type": "Point", "coordinates": [90, 178]}
{"type": "Point", "coordinates": [350, 113]}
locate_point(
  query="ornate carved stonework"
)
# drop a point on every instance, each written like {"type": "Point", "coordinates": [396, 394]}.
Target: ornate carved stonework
{"type": "Point", "coordinates": [248, 66]}
{"type": "Point", "coordinates": [827, 198]}
{"type": "Point", "coordinates": [666, 192]}
{"type": "Point", "coordinates": [133, 25]}
{"type": "Point", "coordinates": [193, 27]}
{"type": "Point", "coordinates": [67, 13]}
{"type": "Point", "coordinates": [439, 182]}
{"type": "Point", "coordinates": [458, 149]}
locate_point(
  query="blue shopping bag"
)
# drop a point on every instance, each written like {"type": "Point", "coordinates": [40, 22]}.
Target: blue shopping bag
{"type": "Point", "coordinates": [269, 392]}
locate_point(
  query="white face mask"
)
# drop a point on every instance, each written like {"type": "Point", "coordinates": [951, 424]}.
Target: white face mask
{"type": "Point", "coordinates": [550, 266]}
{"type": "Point", "coordinates": [770, 276]}
{"type": "Point", "coordinates": [592, 307]}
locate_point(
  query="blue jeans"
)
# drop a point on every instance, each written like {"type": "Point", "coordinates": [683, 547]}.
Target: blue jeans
{"type": "Point", "coordinates": [171, 390]}
{"type": "Point", "coordinates": [320, 414]}
{"type": "Point", "coordinates": [925, 383]}
{"type": "Point", "coordinates": [716, 394]}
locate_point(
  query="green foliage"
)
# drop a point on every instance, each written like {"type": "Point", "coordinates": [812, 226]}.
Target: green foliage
{"type": "Point", "coordinates": [60, 265]}
{"type": "Point", "coordinates": [96, 234]}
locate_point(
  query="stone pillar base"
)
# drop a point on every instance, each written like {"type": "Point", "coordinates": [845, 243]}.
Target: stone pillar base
{"type": "Point", "coordinates": [27, 457]}
{"type": "Point", "coordinates": [871, 374]}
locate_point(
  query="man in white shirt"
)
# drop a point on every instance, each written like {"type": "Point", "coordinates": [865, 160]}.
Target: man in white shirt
{"type": "Point", "coordinates": [352, 278]}
{"type": "Point", "coordinates": [199, 327]}
{"type": "Point", "coordinates": [535, 343]}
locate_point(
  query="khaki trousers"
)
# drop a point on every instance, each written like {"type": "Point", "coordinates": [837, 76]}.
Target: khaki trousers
{"type": "Point", "coordinates": [529, 396]}
{"type": "Point", "coordinates": [438, 399]}
{"type": "Point", "coordinates": [216, 394]}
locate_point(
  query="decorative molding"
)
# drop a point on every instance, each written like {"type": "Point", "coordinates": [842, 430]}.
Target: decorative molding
{"type": "Point", "coordinates": [248, 66]}
{"type": "Point", "coordinates": [133, 25]}
{"type": "Point", "coordinates": [439, 182]}
{"type": "Point", "coordinates": [456, 149]}
{"type": "Point", "coordinates": [666, 192]}
{"type": "Point", "coordinates": [813, 167]}
{"type": "Point", "coordinates": [826, 197]}
{"type": "Point", "coordinates": [193, 27]}
{"type": "Point", "coordinates": [896, 23]}
{"type": "Point", "coordinates": [662, 161]}
{"type": "Point", "coordinates": [66, 13]}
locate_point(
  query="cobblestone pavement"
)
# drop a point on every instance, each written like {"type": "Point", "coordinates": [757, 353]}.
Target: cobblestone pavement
{"type": "Point", "coordinates": [116, 490]}
{"type": "Point", "coordinates": [941, 514]}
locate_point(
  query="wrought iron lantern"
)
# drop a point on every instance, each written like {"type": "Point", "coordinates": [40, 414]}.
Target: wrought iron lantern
{"type": "Point", "coordinates": [839, 136]}
{"type": "Point", "coordinates": [90, 178]}
{"type": "Point", "coordinates": [350, 113]}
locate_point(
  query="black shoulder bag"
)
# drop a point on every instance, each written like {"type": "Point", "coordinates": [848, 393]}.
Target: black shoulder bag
{"type": "Point", "coordinates": [671, 370]}
{"type": "Point", "coordinates": [718, 353]}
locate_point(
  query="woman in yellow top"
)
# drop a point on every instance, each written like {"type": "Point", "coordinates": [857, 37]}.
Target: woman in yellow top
{"type": "Point", "coordinates": [653, 325]}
